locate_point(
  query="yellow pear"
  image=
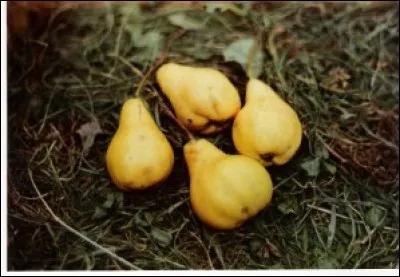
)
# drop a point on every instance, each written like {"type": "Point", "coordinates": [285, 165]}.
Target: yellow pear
{"type": "Point", "coordinates": [139, 155]}
{"type": "Point", "coordinates": [204, 100]}
{"type": "Point", "coordinates": [267, 128]}
{"type": "Point", "coordinates": [225, 190]}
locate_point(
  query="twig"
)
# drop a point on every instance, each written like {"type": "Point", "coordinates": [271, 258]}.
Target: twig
{"type": "Point", "coordinates": [279, 29]}
{"type": "Point", "coordinates": [250, 60]}
{"type": "Point", "coordinates": [164, 55]}
{"type": "Point", "coordinates": [72, 230]}
{"type": "Point", "coordinates": [125, 62]}
{"type": "Point", "coordinates": [252, 53]}
{"type": "Point", "coordinates": [334, 153]}
{"type": "Point", "coordinates": [381, 139]}
{"type": "Point", "coordinates": [160, 60]}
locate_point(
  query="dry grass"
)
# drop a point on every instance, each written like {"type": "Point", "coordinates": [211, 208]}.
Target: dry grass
{"type": "Point", "coordinates": [336, 203]}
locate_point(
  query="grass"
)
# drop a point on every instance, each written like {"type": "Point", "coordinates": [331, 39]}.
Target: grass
{"type": "Point", "coordinates": [335, 205]}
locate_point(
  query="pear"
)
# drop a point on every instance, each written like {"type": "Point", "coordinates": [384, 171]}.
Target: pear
{"type": "Point", "coordinates": [139, 155]}
{"type": "Point", "coordinates": [225, 190]}
{"type": "Point", "coordinates": [267, 128]}
{"type": "Point", "coordinates": [204, 100]}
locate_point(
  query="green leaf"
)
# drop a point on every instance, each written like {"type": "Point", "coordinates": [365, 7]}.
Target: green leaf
{"type": "Point", "coordinates": [217, 7]}
{"type": "Point", "coordinates": [330, 167]}
{"type": "Point", "coordinates": [150, 45]}
{"type": "Point", "coordinates": [162, 237]}
{"type": "Point", "coordinates": [222, 7]}
{"type": "Point", "coordinates": [346, 228]}
{"type": "Point", "coordinates": [149, 39]}
{"type": "Point", "coordinates": [131, 11]}
{"type": "Point", "coordinates": [257, 248]}
{"type": "Point", "coordinates": [340, 252]}
{"type": "Point", "coordinates": [312, 167]}
{"type": "Point", "coordinates": [185, 22]}
{"type": "Point", "coordinates": [143, 219]}
{"type": "Point", "coordinates": [276, 266]}
{"type": "Point", "coordinates": [346, 115]}
{"type": "Point", "coordinates": [239, 52]}
{"type": "Point", "coordinates": [327, 263]}
{"type": "Point", "coordinates": [198, 52]}
{"type": "Point", "coordinates": [119, 199]}
{"type": "Point", "coordinates": [110, 201]}
{"type": "Point", "coordinates": [322, 152]}
{"type": "Point", "coordinates": [287, 207]}
{"type": "Point", "coordinates": [99, 212]}
{"type": "Point", "coordinates": [375, 216]}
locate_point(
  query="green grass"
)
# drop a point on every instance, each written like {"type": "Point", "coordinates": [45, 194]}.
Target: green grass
{"type": "Point", "coordinates": [335, 205]}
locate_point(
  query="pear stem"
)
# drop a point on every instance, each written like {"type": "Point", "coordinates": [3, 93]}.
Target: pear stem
{"type": "Point", "coordinates": [160, 60]}
{"type": "Point", "coordinates": [165, 108]}
{"type": "Point", "coordinates": [250, 60]}
{"type": "Point", "coordinates": [279, 29]}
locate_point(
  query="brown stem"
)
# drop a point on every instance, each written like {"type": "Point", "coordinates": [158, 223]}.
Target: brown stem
{"type": "Point", "coordinates": [252, 53]}
{"type": "Point", "coordinates": [174, 36]}
{"type": "Point", "coordinates": [160, 60]}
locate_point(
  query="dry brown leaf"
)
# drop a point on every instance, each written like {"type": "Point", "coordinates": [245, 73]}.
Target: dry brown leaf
{"type": "Point", "coordinates": [337, 79]}
{"type": "Point", "coordinates": [273, 249]}
{"type": "Point", "coordinates": [88, 132]}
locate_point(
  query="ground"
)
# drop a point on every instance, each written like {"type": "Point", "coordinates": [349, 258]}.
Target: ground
{"type": "Point", "coordinates": [335, 204]}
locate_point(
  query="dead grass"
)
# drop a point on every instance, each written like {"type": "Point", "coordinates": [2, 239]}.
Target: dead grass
{"type": "Point", "coordinates": [336, 203]}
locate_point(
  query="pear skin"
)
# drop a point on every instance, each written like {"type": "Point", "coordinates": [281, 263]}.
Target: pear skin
{"type": "Point", "coordinates": [139, 155]}
{"type": "Point", "coordinates": [267, 128]}
{"type": "Point", "coordinates": [204, 100]}
{"type": "Point", "coordinates": [225, 190]}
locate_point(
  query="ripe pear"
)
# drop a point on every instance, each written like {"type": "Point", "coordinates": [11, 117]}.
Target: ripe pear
{"type": "Point", "coordinates": [204, 100]}
{"type": "Point", "coordinates": [139, 155]}
{"type": "Point", "coordinates": [226, 190]}
{"type": "Point", "coordinates": [267, 128]}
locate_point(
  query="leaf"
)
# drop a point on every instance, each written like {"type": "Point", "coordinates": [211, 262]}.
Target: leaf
{"type": "Point", "coordinates": [346, 115]}
{"type": "Point", "coordinates": [150, 46]}
{"type": "Point", "coordinates": [340, 252]}
{"type": "Point", "coordinates": [110, 201]}
{"type": "Point", "coordinates": [375, 216]}
{"type": "Point", "coordinates": [312, 167]}
{"type": "Point", "coordinates": [257, 248]}
{"type": "Point", "coordinates": [119, 199]}
{"type": "Point", "coordinates": [219, 7]}
{"type": "Point", "coordinates": [286, 207]}
{"type": "Point", "coordinates": [162, 237]}
{"type": "Point", "coordinates": [218, 250]}
{"type": "Point", "coordinates": [99, 212]}
{"type": "Point", "coordinates": [185, 22]}
{"type": "Point", "coordinates": [273, 249]}
{"type": "Point", "coordinates": [131, 11]}
{"type": "Point", "coordinates": [239, 51]}
{"type": "Point", "coordinates": [330, 167]}
{"type": "Point", "coordinates": [143, 219]}
{"type": "Point", "coordinates": [322, 152]}
{"type": "Point", "coordinates": [198, 52]}
{"type": "Point", "coordinates": [327, 263]}
{"type": "Point", "coordinates": [222, 7]}
{"type": "Point", "coordinates": [346, 228]}
{"type": "Point", "coordinates": [149, 39]}
{"type": "Point", "coordinates": [88, 133]}
{"type": "Point", "coordinates": [276, 266]}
